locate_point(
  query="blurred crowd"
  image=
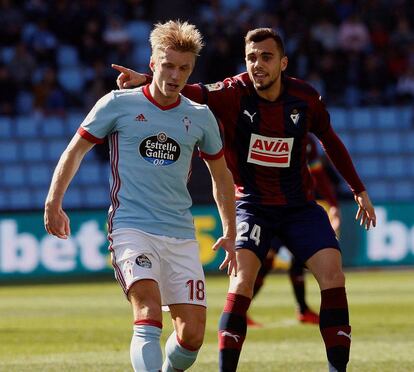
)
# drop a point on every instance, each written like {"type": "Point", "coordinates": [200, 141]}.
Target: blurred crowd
{"type": "Point", "coordinates": [56, 55]}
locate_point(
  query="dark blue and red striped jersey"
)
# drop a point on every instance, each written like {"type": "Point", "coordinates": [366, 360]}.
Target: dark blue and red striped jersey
{"type": "Point", "coordinates": [265, 142]}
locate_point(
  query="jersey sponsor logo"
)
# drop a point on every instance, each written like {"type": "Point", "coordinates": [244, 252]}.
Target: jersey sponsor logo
{"type": "Point", "coordinates": [295, 115]}
{"type": "Point", "coordinates": [160, 150]}
{"type": "Point", "coordinates": [215, 86]}
{"type": "Point", "coordinates": [247, 113]}
{"type": "Point", "coordinates": [270, 151]}
{"type": "Point", "coordinates": [143, 261]}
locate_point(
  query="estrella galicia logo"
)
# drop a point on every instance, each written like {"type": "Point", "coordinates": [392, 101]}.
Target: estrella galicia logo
{"type": "Point", "coordinates": [160, 149]}
{"type": "Point", "coordinates": [143, 261]}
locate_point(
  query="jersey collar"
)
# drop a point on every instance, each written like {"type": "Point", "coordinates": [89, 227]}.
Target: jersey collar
{"type": "Point", "coordinates": [150, 98]}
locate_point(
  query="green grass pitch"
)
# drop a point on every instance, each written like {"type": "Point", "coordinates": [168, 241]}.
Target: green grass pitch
{"type": "Point", "coordinates": [87, 327]}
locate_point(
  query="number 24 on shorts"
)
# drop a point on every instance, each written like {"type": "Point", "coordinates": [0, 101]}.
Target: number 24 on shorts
{"type": "Point", "coordinates": [243, 228]}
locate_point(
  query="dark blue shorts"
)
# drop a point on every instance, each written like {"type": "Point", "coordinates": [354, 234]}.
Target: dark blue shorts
{"type": "Point", "coordinates": [304, 230]}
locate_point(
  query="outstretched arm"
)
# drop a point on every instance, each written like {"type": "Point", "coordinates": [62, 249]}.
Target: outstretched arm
{"type": "Point", "coordinates": [55, 219]}
{"type": "Point", "coordinates": [223, 192]}
{"type": "Point", "coordinates": [339, 156]}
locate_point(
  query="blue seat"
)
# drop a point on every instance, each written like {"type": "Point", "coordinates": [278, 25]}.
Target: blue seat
{"type": "Point", "coordinates": [361, 118]}
{"type": "Point", "coordinates": [67, 56]}
{"type": "Point", "coordinates": [5, 127]}
{"type": "Point", "coordinates": [141, 55]}
{"type": "Point", "coordinates": [348, 141]}
{"type": "Point", "coordinates": [408, 142]}
{"type": "Point", "coordinates": [97, 197]}
{"type": "Point", "coordinates": [89, 173]}
{"type": "Point", "coordinates": [13, 175]}
{"type": "Point", "coordinates": [368, 167]}
{"type": "Point", "coordinates": [403, 190]}
{"type": "Point", "coordinates": [378, 190]}
{"type": "Point", "coordinates": [73, 122]}
{"type": "Point", "coordinates": [55, 149]}
{"type": "Point", "coordinates": [405, 117]}
{"type": "Point", "coordinates": [72, 79]}
{"type": "Point", "coordinates": [339, 118]}
{"type": "Point", "coordinates": [53, 127]}
{"type": "Point", "coordinates": [39, 197]}
{"type": "Point", "coordinates": [74, 198]}
{"type": "Point", "coordinates": [8, 151]}
{"type": "Point", "coordinates": [27, 126]}
{"type": "Point", "coordinates": [365, 143]}
{"type": "Point", "coordinates": [386, 118]}
{"type": "Point", "coordinates": [40, 174]}
{"type": "Point", "coordinates": [390, 142]}
{"type": "Point", "coordinates": [32, 150]}
{"type": "Point", "coordinates": [20, 198]}
{"type": "Point", "coordinates": [394, 167]}
{"type": "Point", "coordinates": [139, 31]}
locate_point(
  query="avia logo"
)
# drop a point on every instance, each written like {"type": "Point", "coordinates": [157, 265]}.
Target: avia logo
{"type": "Point", "coordinates": [141, 117]}
{"type": "Point", "coordinates": [270, 151]}
{"type": "Point", "coordinates": [295, 116]}
{"type": "Point", "coordinates": [247, 113]}
{"type": "Point", "coordinates": [228, 334]}
{"type": "Point", "coordinates": [342, 333]}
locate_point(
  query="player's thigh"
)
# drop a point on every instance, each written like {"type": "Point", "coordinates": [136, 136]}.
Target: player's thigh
{"type": "Point", "coordinates": [248, 265]}
{"type": "Point", "coordinates": [135, 256]}
{"type": "Point", "coordinates": [182, 275]}
{"type": "Point", "coordinates": [254, 231]}
{"type": "Point", "coordinates": [145, 298]}
{"type": "Point", "coordinates": [326, 266]}
{"type": "Point", "coordinates": [189, 323]}
{"type": "Point", "coordinates": [307, 230]}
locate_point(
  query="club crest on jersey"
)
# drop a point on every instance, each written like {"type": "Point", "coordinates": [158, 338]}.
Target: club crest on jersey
{"type": "Point", "coordinates": [159, 150]}
{"type": "Point", "coordinates": [215, 86]}
{"type": "Point", "coordinates": [270, 151]}
{"type": "Point", "coordinates": [187, 122]}
{"type": "Point", "coordinates": [143, 261]}
{"type": "Point", "coordinates": [295, 115]}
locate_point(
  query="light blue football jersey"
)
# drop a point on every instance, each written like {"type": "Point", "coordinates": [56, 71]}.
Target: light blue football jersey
{"type": "Point", "coordinates": [151, 149]}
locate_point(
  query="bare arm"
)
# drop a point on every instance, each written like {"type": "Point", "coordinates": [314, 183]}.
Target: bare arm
{"type": "Point", "coordinates": [223, 192]}
{"type": "Point", "coordinates": [55, 219]}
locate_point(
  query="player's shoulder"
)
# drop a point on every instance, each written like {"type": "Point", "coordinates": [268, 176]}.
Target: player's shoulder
{"type": "Point", "coordinates": [123, 94]}
{"type": "Point", "coordinates": [195, 107]}
{"type": "Point", "coordinates": [300, 88]}
{"type": "Point", "coordinates": [240, 82]}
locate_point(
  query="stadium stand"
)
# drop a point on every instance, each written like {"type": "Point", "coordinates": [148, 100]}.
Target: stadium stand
{"type": "Point", "coordinates": [51, 76]}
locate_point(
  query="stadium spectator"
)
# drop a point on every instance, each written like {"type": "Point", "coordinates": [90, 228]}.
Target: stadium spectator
{"type": "Point", "coordinates": [151, 232]}
{"type": "Point", "coordinates": [8, 91]}
{"type": "Point", "coordinates": [273, 187]}
{"type": "Point", "coordinates": [353, 35]}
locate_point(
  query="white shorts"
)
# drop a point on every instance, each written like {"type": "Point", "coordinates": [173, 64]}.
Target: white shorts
{"type": "Point", "coordinates": [173, 263]}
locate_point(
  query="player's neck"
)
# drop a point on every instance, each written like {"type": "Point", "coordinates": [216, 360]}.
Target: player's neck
{"type": "Point", "coordinates": [160, 98]}
{"type": "Point", "coordinates": [272, 93]}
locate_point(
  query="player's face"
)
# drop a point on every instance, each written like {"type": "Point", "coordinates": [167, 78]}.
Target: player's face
{"type": "Point", "coordinates": [171, 70]}
{"type": "Point", "coordinates": [264, 64]}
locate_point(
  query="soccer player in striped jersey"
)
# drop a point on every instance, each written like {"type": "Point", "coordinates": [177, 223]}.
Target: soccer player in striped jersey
{"type": "Point", "coordinates": [152, 132]}
{"type": "Point", "coordinates": [266, 116]}
{"type": "Point", "coordinates": [326, 192]}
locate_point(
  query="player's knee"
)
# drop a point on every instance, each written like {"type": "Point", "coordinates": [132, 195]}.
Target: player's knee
{"type": "Point", "coordinates": [192, 337]}
{"type": "Point", "coordinates": [332, 279]}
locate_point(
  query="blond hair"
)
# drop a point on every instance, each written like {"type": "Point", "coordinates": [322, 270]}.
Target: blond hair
{"type": "Point", "coordinates": [177, 35]}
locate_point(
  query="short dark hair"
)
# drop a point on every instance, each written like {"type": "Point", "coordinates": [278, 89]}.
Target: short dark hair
{"type": "Point", "coordinates": [259, 34]}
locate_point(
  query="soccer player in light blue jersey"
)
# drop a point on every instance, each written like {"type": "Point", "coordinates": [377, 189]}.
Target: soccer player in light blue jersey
{"type": "Point", "coordinates": [152, 133]}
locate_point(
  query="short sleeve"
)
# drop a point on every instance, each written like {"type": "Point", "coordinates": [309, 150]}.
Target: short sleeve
{"type": "Point", "coordinates": [101, 120]}
{"type": "Point", "coordinates": [211, 145]}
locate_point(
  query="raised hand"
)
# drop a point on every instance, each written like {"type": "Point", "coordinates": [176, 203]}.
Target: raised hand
{"type": "Point", "coordinates": [128, 78]}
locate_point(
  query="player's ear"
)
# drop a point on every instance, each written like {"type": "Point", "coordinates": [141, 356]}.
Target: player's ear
{"type": "Point", "coordinates": [283, 63]}
{"type": "Point", "coordinates": [152, 64]}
